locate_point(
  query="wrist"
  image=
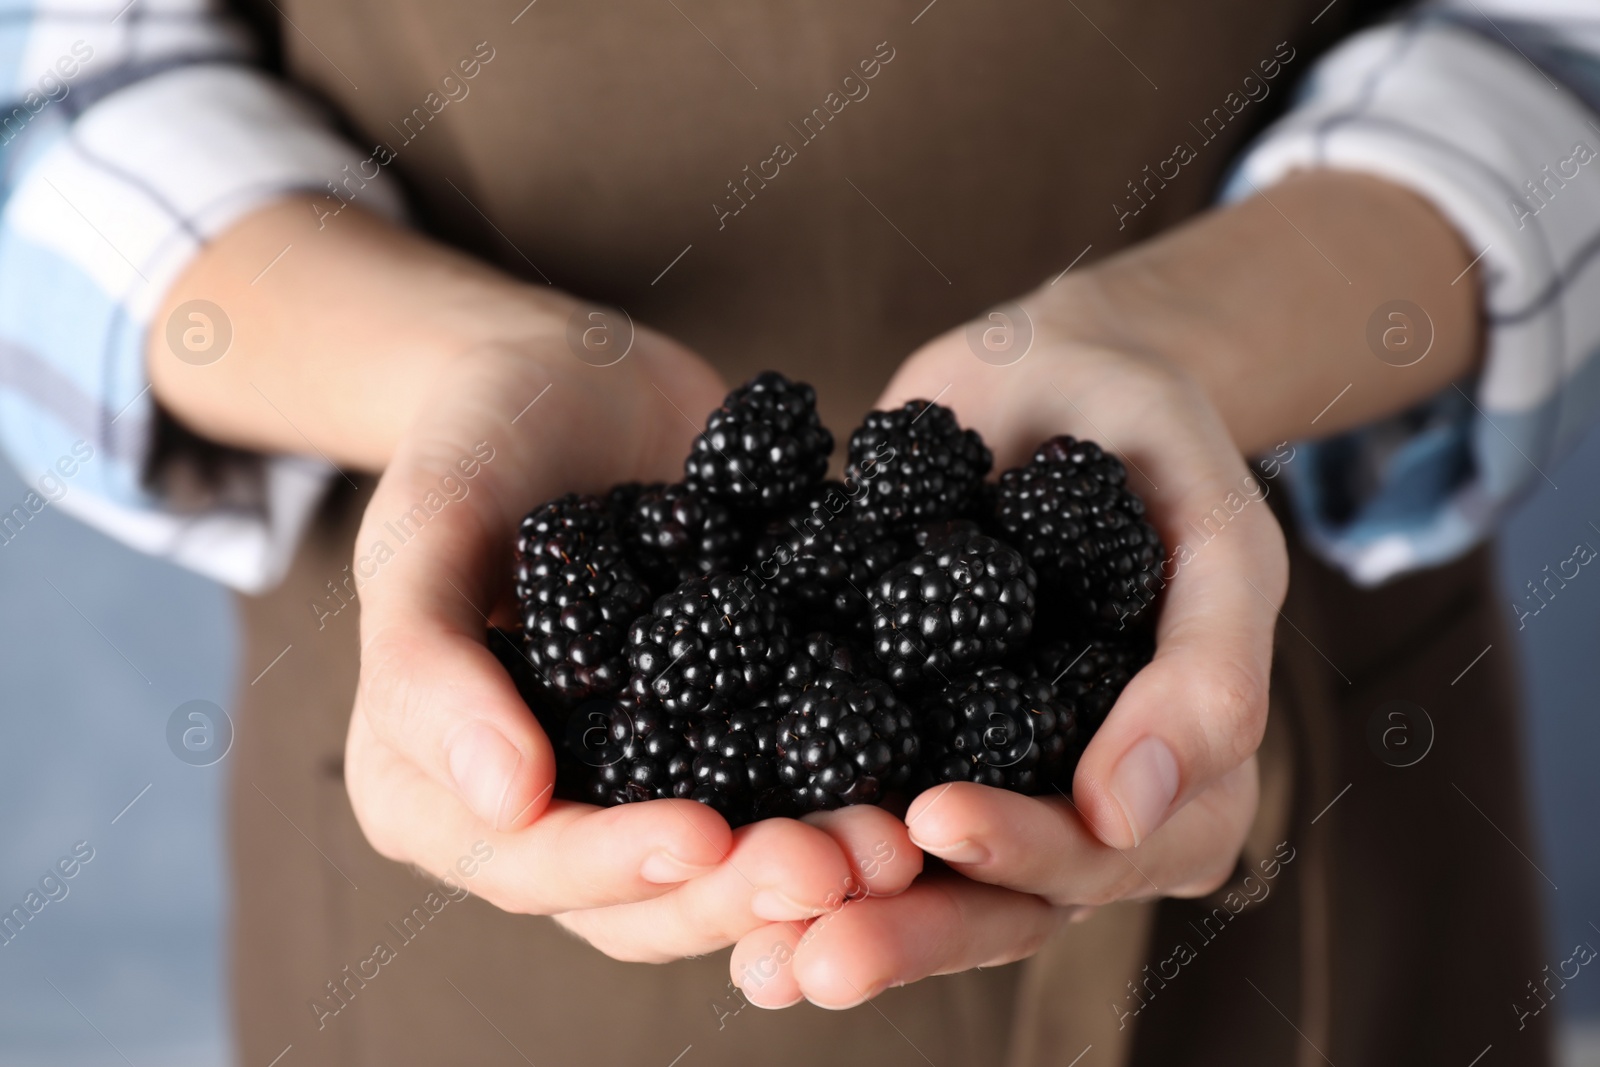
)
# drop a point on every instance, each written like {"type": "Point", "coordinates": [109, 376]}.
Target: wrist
{"type": "Point", "coordinates": [1267, 304]}
{"type": "Point", "coordinates": [339, 342]}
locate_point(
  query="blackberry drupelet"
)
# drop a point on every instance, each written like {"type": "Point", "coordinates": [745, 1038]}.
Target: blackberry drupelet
{"type": "Point", "coordinates": [820, 570]}
{"type": "Point", "coordinates": [851, 743]}
{"type": "Point", "coordinates": [673, 533]}
{"type": "Point", "coordinates": [1074, 518]}
{"type": "Point", "coordinates": [711, 642]}
{"type": "Point", "coordinates": [1090, 673]}
{"type": "Point", "coordinates": [575, 621]}
{"type": "Point", "coordinates": [568, 529]}
{"type": "Point", "coordinates": [763, 446]}
{"type": "Point", "coordinates": [961, 604]}
{"type": "Point", "coordinates": [997, 729]}
{"type": "Point", "coordinates": [918, 464]}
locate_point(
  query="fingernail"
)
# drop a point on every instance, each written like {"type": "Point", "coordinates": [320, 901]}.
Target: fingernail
{"type": "Point", "coordinates": [484, 764]}
{"type": "Point", "coordinates": [798, 997]}
{"type": "Point", "coordinates": [1145, 784]}
{"type": "Point", "coordinates": [663, 868]}
{"type": "Point", "coordinates": [962, 851]}
{"type": "Point", "coordinates": [850, 1002]}
{"type": "Point", "coordinates": [775, 907]}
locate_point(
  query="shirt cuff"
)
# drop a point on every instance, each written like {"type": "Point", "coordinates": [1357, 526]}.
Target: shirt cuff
{"type": "Point", "coordinates": [1503, 154]}
{"type": "Point", "coordinates": [107, 212]}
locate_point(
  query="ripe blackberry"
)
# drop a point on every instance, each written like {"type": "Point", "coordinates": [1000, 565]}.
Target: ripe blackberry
{"type": "Point", "coordinates": [673, 533]}
{"type": "Point", "coordinates": [725, 761]}
{"type": "Point", "coordinates": [565, 530]}
{"type": "Point", "coordinates": [961, 604]}
{"type": "Point", "coordinates": [930, 534]}
{"type": "Point", "coordinates": [820, 570]}
{"type": "Point", "coordinates": [918, 464]}
{"type": "Point", "coordinates": [820, 652]}
{"type": "Point", "coordinates": [1090, 673]}
{"type": "Point", "coordinates": [1073, 516]}
{"type": "Point", "coordinates": [644, 754]}
{"type": "Point", "coordinates": [620, 502]}
{"type": "Point", "coordinates": [763, 446]}
{"type": "Point", "coordinates": [819, 659]}
{"type": "Point", "coordinates": [848, 744]}
{"type": "Point", "coordinates": [575, 619]}
{"type": "Point", "coordinates": [710, 642]}
{"type": "Point", "coordinates": [735, 766]}
{"type": "Point", "coordinates": [996, 729]}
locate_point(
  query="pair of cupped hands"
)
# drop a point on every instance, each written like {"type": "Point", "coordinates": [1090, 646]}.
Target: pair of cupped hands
{"type": "Point", "coordinates": [836, 907]}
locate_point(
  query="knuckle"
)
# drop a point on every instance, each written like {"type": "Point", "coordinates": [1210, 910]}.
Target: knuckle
{"type": "Point", "coordinates": [1232, 701]}
{"type": "Point", "coordinates": [386, 693]}
{"type": "Point", "coordinates": [1208, 881]}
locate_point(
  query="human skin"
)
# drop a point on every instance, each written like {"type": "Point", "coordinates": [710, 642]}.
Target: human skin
{"type": "Point", "coordinates": [384, 351]}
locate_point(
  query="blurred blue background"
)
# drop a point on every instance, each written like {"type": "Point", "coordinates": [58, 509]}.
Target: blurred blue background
{"type": "Point", "coordinates": [129, 966]}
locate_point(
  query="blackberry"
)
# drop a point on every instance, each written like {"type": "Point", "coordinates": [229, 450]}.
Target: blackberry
{"type": "Point", "coordinates": [728, 762]}
{"type": "Point", "coordinates": [1073, 516]}
{"type": "Point", "coordinates": [819, 652]}
{"type": "Point", "coordinates": [709, 643]}
{"type": "Point", "coordinates": [820, 570]}
{"type": "Point", "coordinates": [620, 503]}
{"type": "Point", "coordinates": [763, 446]}
{"type": "Point", "coordinates": [735, 767]}
{"type": "Point", "coordinates": [918, 464]}
{"type": "Point", "coordinates": [568, 529]}
{"type": "Point", "coordinates": [931, 534]}
{"type": "Point", "coordinates": [996, 729]}
{"type": "Point", "coordinates": [848, 744]}
{"type": "Point", "coordinates": [961, 604]}
{"type": "Point", "coordinates": [1090, 673]}
{"type": "Point", "coordinates": [673, 533]}
{"type": "Point", "coordinates": [645, 754]}
{"type": "Point", "coordinates": [575, 620]}
{"type": "Point", "coordinates": [819, 659]}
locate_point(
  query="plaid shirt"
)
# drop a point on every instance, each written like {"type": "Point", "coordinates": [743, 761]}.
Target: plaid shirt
{"type": "Point", "coordinates": [136, 131]}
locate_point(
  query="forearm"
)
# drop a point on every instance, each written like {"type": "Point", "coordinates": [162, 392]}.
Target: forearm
{"type": "Point", "coordinates": [1267, 302]}
{"type": "Point", "coordinates": [337, 342]}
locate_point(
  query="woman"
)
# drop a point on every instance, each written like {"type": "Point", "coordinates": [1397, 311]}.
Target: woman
{"type": "Point", "coordinates": [1268, 886]}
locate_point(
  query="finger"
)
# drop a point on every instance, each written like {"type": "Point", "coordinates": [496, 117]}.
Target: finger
{"type": "Point", "coordinates": [1198, 710]}
{"type": "Point", "coordinates": [573, 856]}
{"type": "Point", "coordinates": [433, 559]}
{"type": "Point", "coordinates": [1041, 845]}
{"type": "Point", "coordinates": [761, 964]}
{"type": "Point", "coordinates": [882, 857]}
{"type": "Point", "coordinates": [939, 926]}
{"type": "Point", "coordinates": [778, 870]}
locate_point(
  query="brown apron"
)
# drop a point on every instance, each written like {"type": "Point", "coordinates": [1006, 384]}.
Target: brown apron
{"type": "Point", "coordinates": [821, 191]}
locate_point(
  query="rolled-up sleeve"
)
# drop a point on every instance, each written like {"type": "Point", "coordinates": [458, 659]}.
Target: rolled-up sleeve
{"type": "Point", "coordinates": [1488, 111]}
{"type": "Point", "coordinates": [135, 133]}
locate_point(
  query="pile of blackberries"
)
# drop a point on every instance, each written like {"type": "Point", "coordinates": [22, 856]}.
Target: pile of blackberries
{"type": "Point", "coordinates": [771, 643]}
